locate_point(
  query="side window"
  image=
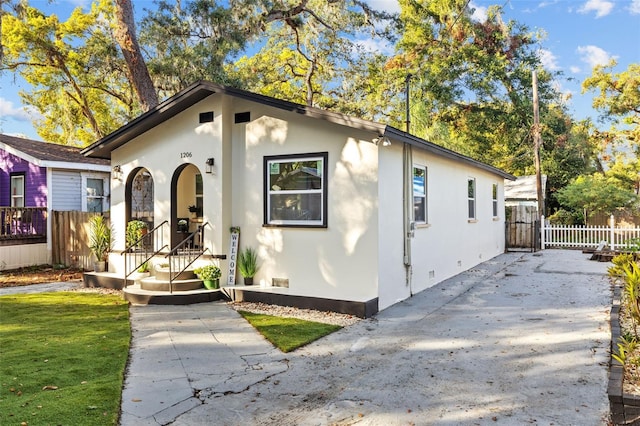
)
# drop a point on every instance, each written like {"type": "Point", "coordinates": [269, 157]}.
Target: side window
{"type": "Point", "coordinates": [199, 195]}
{"type": "Point", "coordinates": [471, 197]}
{"type": "Point", "coordinates": [495, 199]}
{"type": "Point", "coordinates": [296, 190]}
{"type": "Point", "coordinates": [95, 195]}
{"type": "Point", "coordinates": [420, 194]}
{"type": "Point", "coordinates": [17, 190]}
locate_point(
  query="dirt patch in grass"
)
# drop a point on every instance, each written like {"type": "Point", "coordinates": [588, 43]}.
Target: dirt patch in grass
{"type": "Point", "coordinates": [39, 274]}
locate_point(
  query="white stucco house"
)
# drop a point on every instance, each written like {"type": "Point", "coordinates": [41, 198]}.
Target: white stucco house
{"type": "Point", "coordinates": [345, 214]}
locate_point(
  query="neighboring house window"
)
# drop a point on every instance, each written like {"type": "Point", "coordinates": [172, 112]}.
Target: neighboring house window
{"type": "Point", "coordinates": [95, 195]}
{"type": "Point", "coordinates": [17, 190]}
{"type": "Point", "coordinates": [495, 200]}
{"type": "Point", "coordinates": [471, 196]}
{"type": "Point", "coordinates": [296, 190]}
{"type": "Point", "coordinates": [420, 194]}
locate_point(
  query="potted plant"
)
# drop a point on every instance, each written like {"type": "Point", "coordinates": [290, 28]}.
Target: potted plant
{"type": "Point", "coordinates": [210, 275]}
{"type": "Point", "coordinates": [100, 242]}
{"type": "Point", "coordinates": [248, 264]}
{"type": "Point", "coordinates": [135, 230]}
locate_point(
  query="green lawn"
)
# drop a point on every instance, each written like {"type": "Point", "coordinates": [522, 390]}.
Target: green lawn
{"type": "Point", "coordinates": [288, 334]}
{"type": "Point", "coordinates": [62, 358]}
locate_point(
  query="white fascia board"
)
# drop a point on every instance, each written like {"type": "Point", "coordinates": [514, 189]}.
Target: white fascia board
{"type": "Point", "coordinates": [20, 154]}
{"type": "Point", "coordinates": [76, 166]}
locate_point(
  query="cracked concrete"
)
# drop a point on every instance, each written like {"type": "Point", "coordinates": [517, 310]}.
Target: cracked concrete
{"type": "Point", "coordinates": [522, 338]}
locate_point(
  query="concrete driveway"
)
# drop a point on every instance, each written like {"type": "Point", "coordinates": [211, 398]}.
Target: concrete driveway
{"type": "Point", "coordinates": [520, 339]}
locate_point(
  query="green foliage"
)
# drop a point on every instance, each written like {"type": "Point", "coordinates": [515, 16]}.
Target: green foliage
{"type": "Point", "coordinates": [80, 85]}
{"type": "Point", "coordinates": [74, 343]}
{"type": "Point", "coordinates": [208, 272]}
{"type": "Point", "coordinates": [100, 237]}
{"type": "Point", "coordinates": [144, 268]}
{"type": "Point", "coordinates": [565, 217]}
{"type": "Point", "coordinates": [135, 230]}
{"type": "Point", "coordinates": [620, 262]}
{"type": "Point", "coordinates": [595, 193]}
{"type": "Point", "coordinates": [631, 296]}
{"type": "Point", "coordinates": [248, 262]}
{"type": "Point", "coordinates": [627, 345]}
{"type": "Point", "coordinates": [288, 334]}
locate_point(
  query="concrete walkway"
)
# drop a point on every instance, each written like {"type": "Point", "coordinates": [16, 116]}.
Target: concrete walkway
{"type": "Point", "coordinates": [520, 339]}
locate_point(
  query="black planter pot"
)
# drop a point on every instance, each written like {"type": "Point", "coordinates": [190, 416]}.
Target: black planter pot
{"type": "Point", "coordinates": [248, 280]}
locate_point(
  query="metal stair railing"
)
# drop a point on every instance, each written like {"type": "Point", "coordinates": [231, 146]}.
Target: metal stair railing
{"type": "Point", "coordinates": [143, 250]}
{"type": "Point", "coordinates": [184, 254]}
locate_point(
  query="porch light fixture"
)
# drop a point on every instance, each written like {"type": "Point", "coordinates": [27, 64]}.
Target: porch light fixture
{"type": "Point", "coordinates": [209, 164]}
{"type": "Point", "coordinates": [117, 173]}
{"type": "Point", "coordinates": [381, 140]}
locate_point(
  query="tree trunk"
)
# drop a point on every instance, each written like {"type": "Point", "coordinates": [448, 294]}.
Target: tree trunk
{"type": "Point", "coordinates": [138, 73]}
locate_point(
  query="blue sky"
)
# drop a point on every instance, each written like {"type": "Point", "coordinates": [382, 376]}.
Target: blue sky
{"type": "Point", "coordinates": [580, 34]}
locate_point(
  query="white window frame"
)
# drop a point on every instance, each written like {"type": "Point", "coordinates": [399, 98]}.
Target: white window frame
{"type": "Point", "coordinates": [494, 199]}
{"type": "Point", "coordinates": [471, 198]}
{"type": "Point", "coordinates": [12, 187]}
{"type": "Point", "coordinates": [417, 195]}
{"type": "Point", "coordinates": [270, 191]}
{"type": "Point", "coordinates": [105, 191]}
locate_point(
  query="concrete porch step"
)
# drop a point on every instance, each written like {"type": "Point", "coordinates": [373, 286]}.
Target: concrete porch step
{"type": "Point", "coordinates": [139, 296]}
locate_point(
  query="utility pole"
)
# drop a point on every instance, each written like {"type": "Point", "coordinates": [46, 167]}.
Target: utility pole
{"type": "Point", "coordinates": [536, 144]}
{"type": "Point", "coordinates": [406, 101]}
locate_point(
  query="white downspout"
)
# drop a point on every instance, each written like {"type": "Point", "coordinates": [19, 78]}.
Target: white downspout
{"type": "Point", "coordinates": [407, 195]}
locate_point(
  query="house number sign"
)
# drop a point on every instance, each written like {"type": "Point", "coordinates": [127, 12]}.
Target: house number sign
{"type": "Point", "coordinates": [233, 255]}
{"type": "Point", "coordinates": [185, 155]}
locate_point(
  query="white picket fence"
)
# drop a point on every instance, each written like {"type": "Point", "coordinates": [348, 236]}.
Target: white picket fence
{"type": "Point", "coordinates": [579, 236]}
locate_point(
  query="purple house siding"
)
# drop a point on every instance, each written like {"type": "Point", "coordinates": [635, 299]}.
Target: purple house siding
{"type": "Point", "coordinates": [35, 180]}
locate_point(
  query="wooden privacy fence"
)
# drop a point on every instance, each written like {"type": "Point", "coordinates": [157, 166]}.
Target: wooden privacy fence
{"type": "Point", "coordinates": [522, 230]}
{"type": "Point", "coordinates": [579, 236]}
{"type": "Point", "coordinates": [70, 239]}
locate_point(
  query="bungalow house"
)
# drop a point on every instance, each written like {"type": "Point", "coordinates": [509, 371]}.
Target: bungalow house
{"type": "Point", "coordinates": [36, 178]}
{"type": "Point", "coordinates": [345, 214]}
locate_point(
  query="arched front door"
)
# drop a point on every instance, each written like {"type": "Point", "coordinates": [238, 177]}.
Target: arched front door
{"type": "Point", "coordinates": [186, 202]}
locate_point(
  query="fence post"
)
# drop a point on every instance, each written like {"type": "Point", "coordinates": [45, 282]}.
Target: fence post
{"type": "Point", "coordinates": [542, 226]}
{"type": "Point", "coordinates": [612, 223]}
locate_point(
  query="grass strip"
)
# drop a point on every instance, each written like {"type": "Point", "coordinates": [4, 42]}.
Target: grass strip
{"type": "Point", "coordinates": [62, 358]}
{"type": "Point", "coordinates": [288, 334]}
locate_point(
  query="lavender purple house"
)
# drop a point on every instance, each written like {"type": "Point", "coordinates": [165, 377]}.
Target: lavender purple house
{"type": "Point", "coordinates": [35, 179]}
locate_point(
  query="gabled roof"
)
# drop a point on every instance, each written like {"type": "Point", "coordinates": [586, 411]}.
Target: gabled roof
{"type": "Point", "coordinates": [524, 188]}
{"type": "Point", "coordinates": [50, 154]}
{"type": "Point", "coordinates": [200, 90]}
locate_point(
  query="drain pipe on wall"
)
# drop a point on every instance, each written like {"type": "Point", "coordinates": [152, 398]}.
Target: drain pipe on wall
{"type": "Point", "coordinates": [408, 223]}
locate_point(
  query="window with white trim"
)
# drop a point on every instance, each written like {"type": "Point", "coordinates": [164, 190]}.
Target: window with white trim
{"type": "Point", "coordinates": [95, 195]}
{"type": "Point", "coordinates": [495, 199]}
{"type": "Point", "coordinates": [420, 194]}
{"type": "Point", "coordinates": [296, 190]}
{"type": "Point", "coordinates": [471, 197]}
{"type": "Point", "coordinates": [17, 190]}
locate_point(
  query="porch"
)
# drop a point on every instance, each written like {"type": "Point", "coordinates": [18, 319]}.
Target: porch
{"type": "Point", "coordinates": [23, 225]}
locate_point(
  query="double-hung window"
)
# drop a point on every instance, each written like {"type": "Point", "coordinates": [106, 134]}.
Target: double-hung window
{"type": "Point", "coordinates": [95, 195]}
{"type": "Point", "coordinates": [419, 194]}
{"type": "Point", "coordinates": [296, 190]}
{"type": "Point", "coordinates": [495, 199]}
{"type": "Point", "coordinates": [471, 197]}
{"type": "Point", "coordinates": [17, 190]}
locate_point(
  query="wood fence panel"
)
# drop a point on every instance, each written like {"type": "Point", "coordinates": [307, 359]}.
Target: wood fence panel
{"type": "Point", "coordinates": [521, 227]}
{"type": "Point", "coordinates": [70, 239]}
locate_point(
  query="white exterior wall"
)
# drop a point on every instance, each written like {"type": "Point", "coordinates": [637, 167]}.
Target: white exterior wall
{"type": "Point", "coordinates": [19, 256]}
{"type": "Point", "coordinates": [338, 262]}
{"type": "Point", "coordinates": [450, 242]}
{"type": "Point", "coordinates": [161, 150]}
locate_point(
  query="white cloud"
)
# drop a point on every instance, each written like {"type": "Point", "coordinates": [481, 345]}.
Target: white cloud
{"type": "Point", "coordinates": [390, 6]}
{"type": "Point", "coordinates": [601, 7]}
{"type": "Point", "coordinates": [593, 55]}
{"type": "Point", "coordinates": [479, 12]}
{"type": "Point", "coordinates": [17, 113]}
{"type": "Point", "coordinates": [375, 46]}
{"type": "Point", "coordinates": [574, 69]}
{"type": "Point", "coordinates": [548, 59]}
{"type": "Point", "coordinates": [634, 7]}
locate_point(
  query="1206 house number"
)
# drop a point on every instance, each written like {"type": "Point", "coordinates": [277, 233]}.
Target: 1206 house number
{"type": "Point", "coordinates": [185, 155]}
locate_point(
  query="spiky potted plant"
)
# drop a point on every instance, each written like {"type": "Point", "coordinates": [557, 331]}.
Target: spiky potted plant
{"type": "Point", "coordinates": [248, 264]}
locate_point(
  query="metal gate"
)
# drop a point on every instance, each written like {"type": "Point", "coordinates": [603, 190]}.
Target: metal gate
{"type": "Point", "coordinates": [522, 231]}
